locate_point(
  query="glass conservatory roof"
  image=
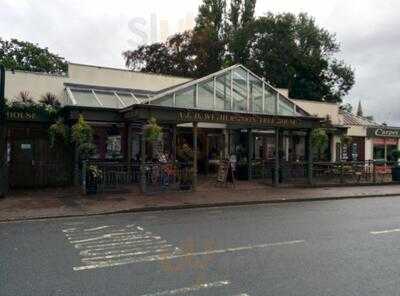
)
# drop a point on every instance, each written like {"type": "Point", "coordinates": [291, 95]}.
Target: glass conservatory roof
{"type": "Point", "coordinates": [116, 99]}
{"type": "Point", "coordinates": [234, 89]}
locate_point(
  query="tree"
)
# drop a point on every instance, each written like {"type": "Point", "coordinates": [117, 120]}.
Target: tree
{"type": "Point", "coordinates": [293, 52]}
{"type": "Point", "coordinates": [290, 51]}
{"type": "Point", "coordinates": [241, 16]}
{"type": "Point", "coordinates": [176, 56]}
{"type": "Point", "coordinates": [346, 107]}
{"type": "Point", "coordinates": [209, 36]}
{"type": "Point", "coordinates": [26, 56]}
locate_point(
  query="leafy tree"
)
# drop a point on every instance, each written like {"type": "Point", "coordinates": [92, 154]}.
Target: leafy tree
{"type": "Point", "coordinates": [173, 57]}
{"type": "Point", "coordinates": [209, 37]}
{"type": "Point", "coordinates": [291, 51]}
{"type": "Point", "coordinates": [241, 16]}
{"type": "Point", "coordinates": [346, 107]}
{"type": "Point", "coordinates": [26, 56]}
{"type": "Point", "coordinates": [294, 53]}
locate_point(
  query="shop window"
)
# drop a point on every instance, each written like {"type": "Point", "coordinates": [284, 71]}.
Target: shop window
{"type": "Point", "coordinates": [354, 151]}
{"type": "Point", "coordinates": [379, 152]}
{"type": "Point", "coordinates": [390, 150]}
{"type": "Point", "coordinates": [345, 152]}
{"type": "Point", "coordinates": [114, 150]}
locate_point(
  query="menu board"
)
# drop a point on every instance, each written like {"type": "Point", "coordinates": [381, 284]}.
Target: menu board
{"type": "Point", "coordinates": [225, 172]}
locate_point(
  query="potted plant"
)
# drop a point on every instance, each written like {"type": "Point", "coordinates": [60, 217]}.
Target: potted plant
{"type": "Point", "coordinates": [319, 142]}
{"type": "Point", "coordinates": [94, 175]}
{"type": "Point", "coordinates": [153, 131]}
{"type": "Point", "coordinates": [396, 167]}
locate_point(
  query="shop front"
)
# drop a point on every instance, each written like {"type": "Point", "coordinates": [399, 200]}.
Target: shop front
{"type": "Point", "coordinates": [384, 141]}
{"type": "Point", "coordinates": [231, 116]}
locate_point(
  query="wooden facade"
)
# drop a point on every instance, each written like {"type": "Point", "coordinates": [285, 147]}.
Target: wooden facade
{"type": "Point", "coordinates": [33, 163]}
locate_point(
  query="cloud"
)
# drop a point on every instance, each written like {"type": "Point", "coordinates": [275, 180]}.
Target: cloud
{"type": "Point", "coordinates": [97, 32]}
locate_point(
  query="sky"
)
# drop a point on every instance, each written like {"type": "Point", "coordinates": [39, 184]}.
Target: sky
{"type": "Point", "coordinates": [97, 32]}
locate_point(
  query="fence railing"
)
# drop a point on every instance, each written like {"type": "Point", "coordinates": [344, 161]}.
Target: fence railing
{"type": "Point", "coordinates": [153, 177]}
{"type": "Point", "coordinates": [356, 172]}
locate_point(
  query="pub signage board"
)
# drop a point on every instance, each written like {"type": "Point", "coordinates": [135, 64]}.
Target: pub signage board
{"type": "Point", "coordinates": [383, 132]}
{"type": "Point", "coordinates": [236, 118]}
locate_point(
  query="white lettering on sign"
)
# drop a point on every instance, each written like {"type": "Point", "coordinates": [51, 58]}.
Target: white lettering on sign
{"type": "Point", "coordinates": [26, 146]}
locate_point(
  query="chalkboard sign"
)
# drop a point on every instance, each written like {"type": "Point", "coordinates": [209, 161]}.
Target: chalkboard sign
{"type": "Point", "coordinates": [225, 173]}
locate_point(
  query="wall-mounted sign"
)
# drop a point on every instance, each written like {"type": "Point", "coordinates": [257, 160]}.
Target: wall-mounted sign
{"type": "Point", "coordinates": [236, 118]}
{"type": "Point", "coordinates": [21, 115]}
{"type": "Point", "coordinates": [383, 132]}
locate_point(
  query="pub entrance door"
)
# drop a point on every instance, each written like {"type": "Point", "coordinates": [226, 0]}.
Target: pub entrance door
{"type": "Point", "coordinates": [22, 162]}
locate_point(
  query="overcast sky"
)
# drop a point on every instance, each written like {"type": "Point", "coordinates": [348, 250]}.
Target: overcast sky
{"type": "Point", "coordinates": [97, 32]}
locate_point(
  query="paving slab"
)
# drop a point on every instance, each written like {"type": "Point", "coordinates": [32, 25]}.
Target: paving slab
{"type": "Point", "coordinates": [69, 202]}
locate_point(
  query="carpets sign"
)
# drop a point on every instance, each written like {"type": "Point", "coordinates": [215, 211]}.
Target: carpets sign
{"type": "Point", "coordinates": [383, 132]}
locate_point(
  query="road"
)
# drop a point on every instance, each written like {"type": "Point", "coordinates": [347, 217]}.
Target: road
{"type": "Point", "coordinates": [344, 247]}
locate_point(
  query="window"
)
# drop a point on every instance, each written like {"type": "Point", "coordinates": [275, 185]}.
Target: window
{"type": "Point", "coordinates": [186, 98]}
{"type": "Point", "coordinates": [239, 90]}
{"type": "Point", "coordinates": [256, 94]}
{"type": "Point", "coordinates": [206, 95]}
{"type": "Point", "coordinates": [114, 147]}
{"type": "Point", "coordinates": [379, 152]}
{"type": "Point", "coordinates": [85, 98]}
{"type": "Point", "coordinates": [223, 92]}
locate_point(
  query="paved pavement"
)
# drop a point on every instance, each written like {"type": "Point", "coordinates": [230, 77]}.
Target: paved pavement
{"type": "Point", "coordinates": [70, 202]}
{"type": "Point", "coordinates": [337, 247]}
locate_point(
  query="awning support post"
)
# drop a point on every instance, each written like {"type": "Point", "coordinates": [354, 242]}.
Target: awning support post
{"type": "Point", "coordinates": [276, 163]}
{"type": "Point", "coordinates": [195, 130]}
{"type": "Point", "coordinates": [143, 161]}
{"type": "Point", "coordinates": [309, 157]}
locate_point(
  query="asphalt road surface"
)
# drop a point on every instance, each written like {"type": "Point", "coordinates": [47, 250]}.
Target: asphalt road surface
{"type": "Point", "coordinates": [344, 247]}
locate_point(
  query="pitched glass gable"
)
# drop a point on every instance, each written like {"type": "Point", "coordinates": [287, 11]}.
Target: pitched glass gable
{"type": "Point", "coordinates": [233, 89]}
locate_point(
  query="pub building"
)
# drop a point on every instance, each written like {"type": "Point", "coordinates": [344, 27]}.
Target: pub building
{"type": "Point", "coordinates": [229, 115]}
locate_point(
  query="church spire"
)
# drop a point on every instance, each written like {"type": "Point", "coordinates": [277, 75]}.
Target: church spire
{"type": "Point", "coordinates": [359, 109]}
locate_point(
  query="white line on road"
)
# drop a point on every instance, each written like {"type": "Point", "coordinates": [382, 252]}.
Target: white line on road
{"type": "Point", "coordinates": [98, 228]}
{"type": "Point", "coordinates": [385, 231]}
{"type": "Point", "coordinates": [104, 264]}
{"type": "Point", "coordinates": [190, 289]}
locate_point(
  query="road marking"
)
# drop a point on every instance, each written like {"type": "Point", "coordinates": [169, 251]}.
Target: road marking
{"type": "Point", "coordinates": [190, 289]}
{"type": "Point", "coordinates": [179, 254]}
{"type": "Point", "coordinates": [106, 245]}
{"type": "Point", "coordinates": [385, 231]}
{"type": "Point", "coordinates": [99, 228]}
